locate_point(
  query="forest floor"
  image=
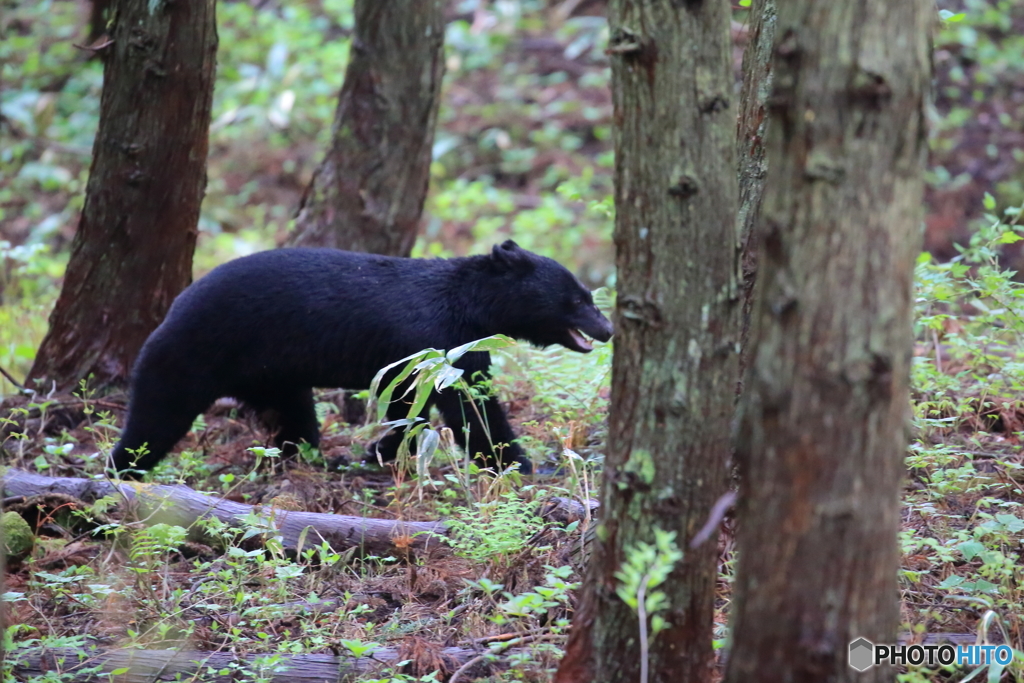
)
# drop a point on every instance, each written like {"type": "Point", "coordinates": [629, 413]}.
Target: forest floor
{"type": "Point", "coordinates": [505, 580]}
{"type": "Point", "coordinates": [523, 150]}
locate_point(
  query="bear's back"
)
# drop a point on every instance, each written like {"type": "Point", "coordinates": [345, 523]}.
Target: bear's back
{"type": "Point", "coordinates": [320, 317]}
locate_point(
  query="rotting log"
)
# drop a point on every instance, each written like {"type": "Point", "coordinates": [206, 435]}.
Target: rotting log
{"type": "Point", "coordinates": [150, 666]}
{"type": "Point", "coordinates": [182, 506]}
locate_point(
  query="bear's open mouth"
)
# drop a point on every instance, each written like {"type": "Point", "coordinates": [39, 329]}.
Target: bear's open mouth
{"type": "Point", "coordinates": [579, 341]}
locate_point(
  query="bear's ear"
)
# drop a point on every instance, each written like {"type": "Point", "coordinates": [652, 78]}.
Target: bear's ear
{"type": "Point", "coordinates": [511, 256]}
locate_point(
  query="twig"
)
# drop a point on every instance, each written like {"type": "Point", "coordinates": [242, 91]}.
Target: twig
{"type": "Point", "coordinates": [95, 47]}
{"type": "Point", "coordinates": [87, 402]}
{"type": "Point", "coordinates": [20, 387]}
{"type": "Point", "coordinates": [718, 511]}
{"type": "Point", "coordinates": [479, 658]}
{"type": "Point", "coordinates": [506, 637]}
{"type": "Point", "coordinates": [465, 667]}
{"type": "Point", "coordinates": [641, 612]}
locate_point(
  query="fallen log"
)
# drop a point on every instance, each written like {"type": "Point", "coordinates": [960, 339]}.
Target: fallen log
{"type": "Point", "coordinates": [154, 666]}
{"type": "Point", "coordinates": [181, 506]}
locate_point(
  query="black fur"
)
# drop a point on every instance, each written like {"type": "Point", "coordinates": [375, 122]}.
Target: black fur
{"type": "Point", "coordinates": [267, 328]}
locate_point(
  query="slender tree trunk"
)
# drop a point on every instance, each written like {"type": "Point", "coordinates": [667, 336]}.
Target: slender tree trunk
{"type": "Point", "coordinates": [751, 129]}
{"type": "Point", "coordinates": [677, 333]}
{"type": "Point", "coordinates": [132, 253]}
{"type": "Point", "coordinates": [368, 193]}
{"type": "Point", "coordinates": [824, 426]}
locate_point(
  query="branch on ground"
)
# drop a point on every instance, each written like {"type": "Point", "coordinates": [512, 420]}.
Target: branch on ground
{"type": "Point", "coordinates": [150, 666]}
{"type": "Point", "coordinates": [181, 506]}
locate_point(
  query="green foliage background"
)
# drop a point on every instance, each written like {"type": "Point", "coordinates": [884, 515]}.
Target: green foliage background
{"type": "Point", "coordinates": [519, 151]}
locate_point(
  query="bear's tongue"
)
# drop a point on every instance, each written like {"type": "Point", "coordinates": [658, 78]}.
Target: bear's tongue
{"type": "Point", "coordinates": [578, 337]}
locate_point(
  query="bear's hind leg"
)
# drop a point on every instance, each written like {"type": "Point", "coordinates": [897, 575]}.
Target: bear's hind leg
{"type": "Point", "coordinates": [156, 421]}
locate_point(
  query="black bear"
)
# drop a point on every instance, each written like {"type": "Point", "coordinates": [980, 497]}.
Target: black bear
{"type": "Point", "coordinates": [269, 327]}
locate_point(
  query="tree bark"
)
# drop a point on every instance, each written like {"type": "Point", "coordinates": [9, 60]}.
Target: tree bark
{"type": "Point", "coordinates": [132, 253]}
{"type": "Point", "coordinates": [367, 195]}
{"type": "Point", "coordinates": [824, 425]}
{"type": "Point", "coordinates": [677, 332]}
{"type": "Point", "coordinates": [751, 129]}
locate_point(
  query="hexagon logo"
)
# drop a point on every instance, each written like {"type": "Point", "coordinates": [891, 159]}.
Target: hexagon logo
{"type": "Point", "coordinates": [862, 654]}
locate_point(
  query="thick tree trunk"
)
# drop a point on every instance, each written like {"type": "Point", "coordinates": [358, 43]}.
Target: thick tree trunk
{"type": "Point", "coordinates": [132, 253]}
{"type": "Point", "coordinates": [751, 129]}
{"type": "Point", "coordinates": [677, 332]}
{"type": "Point", "coordinates": [825, 411]}
{"type": "Point", "coordinates": [368, 193]}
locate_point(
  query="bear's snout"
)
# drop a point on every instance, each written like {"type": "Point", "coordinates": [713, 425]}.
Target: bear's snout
{"type": "Point", "coordinates": [600, 327]}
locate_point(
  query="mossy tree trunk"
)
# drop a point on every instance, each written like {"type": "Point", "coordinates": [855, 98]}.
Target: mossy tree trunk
{"type": "Point", "coordinates": [677, 333]}
{"type": "Point", "coordinates": [824, 426]}
{"type": "Point", "coordinates": [367, 194]}
{"type": "Point", "coordinates": [132, 253]}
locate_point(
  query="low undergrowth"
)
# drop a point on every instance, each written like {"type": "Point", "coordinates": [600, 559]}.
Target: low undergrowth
{"type": "Point", "coordinates": [96, 578]}
{"type": "Point", "coordinates": [523, 149]}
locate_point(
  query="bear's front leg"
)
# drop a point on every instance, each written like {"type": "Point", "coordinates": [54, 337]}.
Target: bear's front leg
{"type": "Point", "coordinates": [490, 440]}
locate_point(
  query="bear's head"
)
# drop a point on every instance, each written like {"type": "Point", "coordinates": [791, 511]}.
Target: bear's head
{"type": "Point", "coordinates": [541, 302]}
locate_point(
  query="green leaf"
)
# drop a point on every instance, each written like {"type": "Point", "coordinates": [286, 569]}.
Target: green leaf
{"type": "Point", "coordinates": [426, 444]}
{"type": "Point", "coordinates": [952, 581]}
{"type": "Point", "coordinates": [995, 672]}
{"type": "Point", "coordinates": [1010, 523]}
{"type": "Point", "coordinates": [498, 341]}
{"type": "Point", "coordinates": [971, 549]}
{"type": "Point", "coordinates": [384, 397]}
{"type": "Point", "coordinates": [989, 202]}
{"type": "Point", "coordinates": [357, 647]}
{"type": "Point", "coordinates": [447, 376]}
